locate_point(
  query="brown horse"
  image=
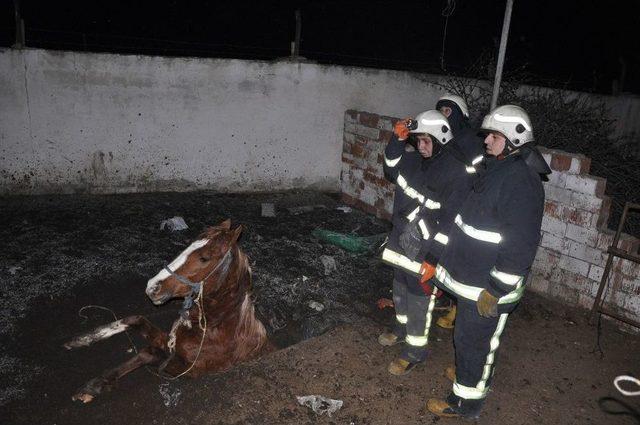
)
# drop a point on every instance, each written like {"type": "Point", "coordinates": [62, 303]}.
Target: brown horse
{"type": "Point", "coordinates": [217, 327]}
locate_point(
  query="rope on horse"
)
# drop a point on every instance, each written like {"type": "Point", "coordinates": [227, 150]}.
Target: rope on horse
{"type": "Point", "coordinates": [202, 324]}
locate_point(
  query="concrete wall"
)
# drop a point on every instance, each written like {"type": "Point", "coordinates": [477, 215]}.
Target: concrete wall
{"type": "Point", "coordinates": [83, 122]}
{"type": "Point", "coordinates": [572, 254]}
{"type": "Point", "coordinates": [78, 122]}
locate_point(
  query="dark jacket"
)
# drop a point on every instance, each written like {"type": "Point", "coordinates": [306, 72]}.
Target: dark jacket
{"type": "Point", "coordinates": [407, 169]}
{"type": "Point", "coordinates": [422, 185]}
{"type": "Point", "coordinates": [496, 234]}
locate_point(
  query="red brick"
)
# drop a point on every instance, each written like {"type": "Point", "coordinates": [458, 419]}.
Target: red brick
{"type": "Point", "coordinates": [357, 150]}
{"type": "Point", "coordinates": [376, 180]}
{"type": "Point", "coordinates": [578, 217]}
{"type": "Point", "coordinates": [560, 162]}
{"type": "Point", "coordinates": [385, 136]}
{"type": "Point", "coordinates": [347, 160]}
{"type": "Point", "coordinates": [552, 209]}
{"type": "Point", "coordinates": [585, 166]}
{"type": "Point", "coordinates": [368, 119]}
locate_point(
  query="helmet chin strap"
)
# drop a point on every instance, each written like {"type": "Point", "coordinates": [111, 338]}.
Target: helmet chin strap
{"type": "Point", "coordinates": [508, 150]}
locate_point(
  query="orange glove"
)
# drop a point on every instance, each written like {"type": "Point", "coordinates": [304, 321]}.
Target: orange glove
{"type": "Point", "coordinates": [427, 271]}
{"type": "Point", "coordinates": [401, 130]}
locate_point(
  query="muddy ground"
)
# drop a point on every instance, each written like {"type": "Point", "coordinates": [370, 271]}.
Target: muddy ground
{"type": "Point", "coordinates": [60, 253]}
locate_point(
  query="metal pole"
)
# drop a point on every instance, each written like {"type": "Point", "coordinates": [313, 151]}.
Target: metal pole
{"type": "Point", "coordinates": [296, 49]}
{"type": "Point", "coordinates": [20, 43]}
{"type": "Point", "coordinates": [501, 53]}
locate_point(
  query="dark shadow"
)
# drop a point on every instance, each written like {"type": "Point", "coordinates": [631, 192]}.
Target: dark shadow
{"type": "Point", "coordinates": [613, 406]}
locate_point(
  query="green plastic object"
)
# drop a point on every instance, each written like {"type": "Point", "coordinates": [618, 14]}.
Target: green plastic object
{"type": "Point", "coordinates": [357, 244]}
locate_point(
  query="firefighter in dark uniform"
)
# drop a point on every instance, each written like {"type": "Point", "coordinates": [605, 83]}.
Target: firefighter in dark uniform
{"type": "Point", "coordinates": [488, 255]}
{"type": "Point", "coordinates": [470, 149]}
{"type": "Point", "coordinates": [420, 178]}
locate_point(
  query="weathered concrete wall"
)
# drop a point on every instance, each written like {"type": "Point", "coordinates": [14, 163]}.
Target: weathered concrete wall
{"type": "Point", "coordinates": [573, 251]}
{"type": "Point", "coordinates": [75, 122]}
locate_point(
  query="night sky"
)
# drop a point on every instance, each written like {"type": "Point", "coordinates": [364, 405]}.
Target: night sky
{"type": "Point", "coordinates": [574, 44]}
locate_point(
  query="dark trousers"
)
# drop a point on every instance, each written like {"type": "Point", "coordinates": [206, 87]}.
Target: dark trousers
{"type": "Point", "coordinates": [414, 311]}
{"type": "Point", "coordinates": [476, 341]}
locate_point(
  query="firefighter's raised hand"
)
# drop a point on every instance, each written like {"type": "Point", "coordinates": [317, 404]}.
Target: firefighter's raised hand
{"type": "Point", "coordinates": [401, 130]}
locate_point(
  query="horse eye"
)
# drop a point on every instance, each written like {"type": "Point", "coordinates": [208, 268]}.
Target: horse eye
{"type": "Point", "coordinates": [204, 259]}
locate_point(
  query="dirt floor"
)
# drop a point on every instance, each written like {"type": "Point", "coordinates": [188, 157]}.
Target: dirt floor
{"type": "Point", "coordinates": [60, 253]}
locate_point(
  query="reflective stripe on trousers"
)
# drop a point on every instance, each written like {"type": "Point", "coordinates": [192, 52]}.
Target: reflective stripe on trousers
{"type": "Point", "coordinates": [480, 390]}
{"type": "Point", "coordinates": [423, 339]}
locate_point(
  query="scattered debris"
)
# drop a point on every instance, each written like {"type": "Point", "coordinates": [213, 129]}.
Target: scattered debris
{"type": "Point", "coordinates": [351, 243]}
{"type": "Point", "coordinates": [268, 210]}
{"type": "Point", "coordinates": [329, 264]}
{"type": "Point", "coordinates": [304, 278]}
{"type": "Point", "coordinates": [305, 209]}
{"type": "Point", "coordinates": [169, 398]}
{"type": "Point", "coordinates": [14, 269]}
{"type": "Point", "coordinates": [316, 305]}
{"type": "Point", "coordinates": [345, 209]}
{"type": "Point", "coordinates": [174, 224]}
{"type": "Point", "coordinates": [384, 303]}
{"type": "Point", "coordinates": [300, 210]}
{"type": "Point", "coordinates": [319, 404]}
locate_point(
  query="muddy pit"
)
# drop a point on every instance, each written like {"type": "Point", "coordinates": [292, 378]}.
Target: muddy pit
{"type": "Point", "coordinates": [60, 253]}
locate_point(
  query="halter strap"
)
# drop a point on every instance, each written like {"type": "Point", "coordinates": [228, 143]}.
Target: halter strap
{"type": "Point", "coordinates": [196, 287]}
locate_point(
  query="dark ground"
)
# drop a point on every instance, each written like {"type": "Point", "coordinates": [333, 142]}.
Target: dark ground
{"type": "Point", "coordinates": [60, 253]}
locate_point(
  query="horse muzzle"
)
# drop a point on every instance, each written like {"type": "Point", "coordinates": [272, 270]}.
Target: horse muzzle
{"type": "Point", "coordinates": [156, 296]}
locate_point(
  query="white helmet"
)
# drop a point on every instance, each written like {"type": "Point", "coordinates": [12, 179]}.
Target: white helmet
{"type": "Point", "coordinates": [433, 123]}
{"type": "Point", "coordinates": [458, 100]}
{"type": "Point", "coordinates": [512, 121]}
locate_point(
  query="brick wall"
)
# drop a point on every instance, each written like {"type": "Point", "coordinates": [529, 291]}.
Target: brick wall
{"type": "Point", "coordinates": [572, 253]}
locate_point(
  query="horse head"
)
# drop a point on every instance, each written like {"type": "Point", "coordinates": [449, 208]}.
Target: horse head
{"type": "Point", "coordinates": [208, 257]}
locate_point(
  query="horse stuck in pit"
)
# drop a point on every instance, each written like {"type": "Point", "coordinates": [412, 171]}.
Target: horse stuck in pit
{"type": "Point", "coordinates": [217, 327]}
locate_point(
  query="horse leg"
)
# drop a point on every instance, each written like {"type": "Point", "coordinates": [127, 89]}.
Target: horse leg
{"type": "Point", "coordinates": [156, 337]}
{"type": "Point", "coordinates": [146, 356]}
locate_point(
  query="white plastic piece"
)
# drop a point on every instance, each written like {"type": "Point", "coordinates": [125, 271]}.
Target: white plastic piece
{"type": "Point", "coordinates": [174, 224]}
{"type": "Point", "coordinates": [319, 404]}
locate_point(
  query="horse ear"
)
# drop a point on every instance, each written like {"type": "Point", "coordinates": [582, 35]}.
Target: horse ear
{"type": "Point", "coordinates": [236, 233]}
{"type": "Point", "coordinates": [226, 224]}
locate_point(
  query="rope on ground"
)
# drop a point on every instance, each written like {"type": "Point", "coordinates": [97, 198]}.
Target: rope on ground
{"type": "Point", "coordinates": [627, 378]}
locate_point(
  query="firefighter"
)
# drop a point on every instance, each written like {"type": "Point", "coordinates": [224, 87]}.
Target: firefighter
{"type": "Point", "coordinates": [488, 254]}
{"type": "Point", "coordinates": [470, 147]}
{"type": "Point", "coordinates": [420, 178]}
